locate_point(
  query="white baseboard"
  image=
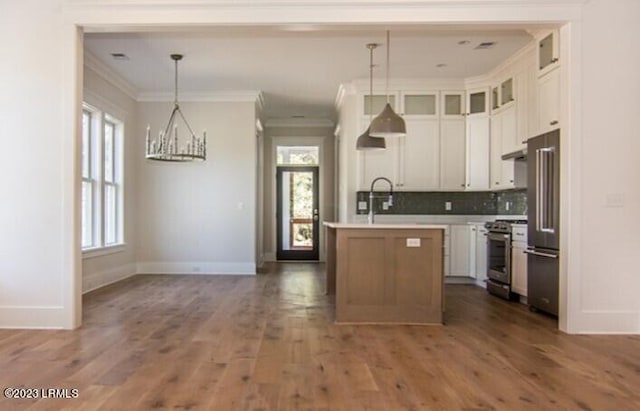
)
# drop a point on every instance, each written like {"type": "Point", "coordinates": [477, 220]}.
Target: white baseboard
{"type": "Point", "coordinates": [93, 281]}
{"type": "Point", "coordinates": [46, 318]}
{"type": "Point", "coordinates": [608, 322]}
{"type": "Point", "coordinates": [205, 268]}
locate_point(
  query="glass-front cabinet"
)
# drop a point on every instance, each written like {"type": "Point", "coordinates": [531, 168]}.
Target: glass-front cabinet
{"type": "Point", "coordinates": [548, 52]}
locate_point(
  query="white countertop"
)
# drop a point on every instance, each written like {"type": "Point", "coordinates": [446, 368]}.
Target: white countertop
{"type": "Point", "coordinates": [412, 226]}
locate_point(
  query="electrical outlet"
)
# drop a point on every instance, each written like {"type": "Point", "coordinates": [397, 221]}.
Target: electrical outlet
{"type": "Point", "coordinates": [362, 205]}
{"type": "Point", "coordinates": [413, 242]}
{"type": "Point", "coordinates": [507, 205]}
{"type": "Point", "coordinates": [447, 205]}
{"type": "Point", "coordinates": [385, 205]}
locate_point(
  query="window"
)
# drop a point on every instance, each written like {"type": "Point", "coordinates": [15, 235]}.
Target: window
{"type": "Point", "coordinates": [297, 155]}
{"type": "Point", "coordinates": [102, 191]}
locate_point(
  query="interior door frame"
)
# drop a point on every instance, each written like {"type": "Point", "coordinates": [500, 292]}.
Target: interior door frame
{"type": "Point", "coordinates": [307, 255]}
{"type": "Point", "coordinates": [270, 187]}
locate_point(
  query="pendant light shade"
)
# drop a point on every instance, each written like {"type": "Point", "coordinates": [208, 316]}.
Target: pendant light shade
{"type": "Point", "coordinates": [388, 123]}
{"type": "Point", "coordinates": [366, 142]}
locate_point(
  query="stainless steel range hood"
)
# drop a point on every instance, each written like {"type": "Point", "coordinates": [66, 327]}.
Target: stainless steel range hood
{"type": "Point", "coordinates": [516, 155]}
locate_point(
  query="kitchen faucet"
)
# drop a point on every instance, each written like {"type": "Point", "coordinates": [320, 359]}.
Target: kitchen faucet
{"type": "Point", "coordinates": [372, 196]}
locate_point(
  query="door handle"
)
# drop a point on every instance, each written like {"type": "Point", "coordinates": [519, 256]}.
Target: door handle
{"type": "Point", "coordinates": [539, 254]}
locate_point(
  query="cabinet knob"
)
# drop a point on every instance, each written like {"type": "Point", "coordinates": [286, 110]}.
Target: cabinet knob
{"type": "Point", "coordinates": [554, 60]}
{"type": "Point", "coordinates": [511, 181]}
{"type": "Point", "coordinates": [553, 123]}
{"type": "Point", "coordinates": [462, 185]}
{"type": "Point", "coordinates": [497, 183]}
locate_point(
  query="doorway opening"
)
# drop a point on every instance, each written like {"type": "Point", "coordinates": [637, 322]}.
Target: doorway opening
{"type": "Point", "coordinates": [297, 203]}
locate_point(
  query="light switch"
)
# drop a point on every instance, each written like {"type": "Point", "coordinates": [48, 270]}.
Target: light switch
{"type": "Point", "coordinates": [615, 200]}
{"type": "Point", "coordinates": [413, 242]}
{"type": "Point", "coordinates": [362, 205]}
{"type": "Point", "coordinates": [447, 205]}
{"type": "Point", "coordinates": [385, 205]}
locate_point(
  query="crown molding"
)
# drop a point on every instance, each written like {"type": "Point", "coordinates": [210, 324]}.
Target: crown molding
{"type": "Point", "coordinates": [299, 122]}
{"type": "Point", "coordinates": [250, 96]}
{"type": "Point", "coordinates": [101, 69]}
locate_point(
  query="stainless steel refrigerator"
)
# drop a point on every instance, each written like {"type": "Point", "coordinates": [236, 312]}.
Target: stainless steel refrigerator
{"type": "Point", "coordinates": [543, 198]}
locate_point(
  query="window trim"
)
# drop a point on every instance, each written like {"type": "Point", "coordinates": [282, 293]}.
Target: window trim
{"type": "Point", "coordinates": [99, 120]}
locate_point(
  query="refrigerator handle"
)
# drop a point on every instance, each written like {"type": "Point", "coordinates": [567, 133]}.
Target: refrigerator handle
{"type": "Point", "coordinates": [539, 254]}
{"type": "Point", "coordinates": [545, 189]}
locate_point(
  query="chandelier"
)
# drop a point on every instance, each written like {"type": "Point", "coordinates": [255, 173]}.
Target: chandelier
{"type": "Point", "coordinates": [167, 146]}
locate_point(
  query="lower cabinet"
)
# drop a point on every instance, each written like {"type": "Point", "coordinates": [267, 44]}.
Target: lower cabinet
{"type": "Point", "coordinates": [462, 260]}
{"type": "Point", "coordinates": [480, 240]}
{"type": "Point", "coordinates": [519, 262]}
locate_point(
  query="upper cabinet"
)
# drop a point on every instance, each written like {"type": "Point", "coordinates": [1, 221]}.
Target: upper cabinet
{"type": "Point", "coordinates": [477, 140]}
{"type": "Point", "coordinates": [548, 107]}
{"type": "Point", "coordinates": [549, 101]}
{"type": "Point", "coordinates": [373, 105]}
{"type": "Point", "coordinates": [419, 104]}
{"type": "Point", "coordinates": [548, 52]}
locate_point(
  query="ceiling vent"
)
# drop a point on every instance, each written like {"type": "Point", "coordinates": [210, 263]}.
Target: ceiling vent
{"type": "Point", "coordinates": [119, 56]}
{"type": "Point", "coordinates": [485, 45]}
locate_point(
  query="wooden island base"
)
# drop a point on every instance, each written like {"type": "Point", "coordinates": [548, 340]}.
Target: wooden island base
{"type": "Point", "coordinates": [386, 273]}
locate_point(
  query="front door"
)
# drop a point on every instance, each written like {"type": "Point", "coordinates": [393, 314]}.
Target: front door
{"type": "Point", "coordinates": [297, 213]}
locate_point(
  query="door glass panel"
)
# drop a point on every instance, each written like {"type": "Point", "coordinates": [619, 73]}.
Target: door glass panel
{"type": "Point", "coordinates": [545, 51]}
{"type": "Point", "coordinates": [297, 155]}
{"type": "Point", "coordinates": [452, 104]}
{"type": "Point", "coordinates": [378, 103]}
{"type": "Point", "coordinates": [297, 210]}
{"type": "Point", "coordinates": [420, 104]}
{"type": "Point", "coordinates": [477, 102]}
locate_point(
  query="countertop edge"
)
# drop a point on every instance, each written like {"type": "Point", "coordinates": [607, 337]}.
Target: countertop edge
{"type": "Point", "coordinates": [411, 226]}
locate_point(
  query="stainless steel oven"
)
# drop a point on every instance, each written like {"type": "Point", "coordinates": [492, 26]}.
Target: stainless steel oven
{"type": "Point", "coordinates": [499, 258]}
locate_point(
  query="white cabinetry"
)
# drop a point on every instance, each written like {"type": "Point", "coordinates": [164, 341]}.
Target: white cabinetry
{"type": "Point", "coordinates": [479, 238]}
{"type": "Point", "coordinates": [460, 251]}
{"type": "Point", "coordinates": [378, 163]}
{"type": "Point", "coordinates": [519, 260]}
{"type": "Point", "coordinates": [477, 140]}
{"type": "Point", "coordinates": [419, 162]}
{"type": "Point", "coordinates": [452, 154]}
{"type": "Point", "coordinates": [548, 81]}
{"type": "Point", "coordinates": [549, 101]}
{"type": "Point", "coordinates": [548, 51]}
{"type": "Point", "coordinates": [502, 130]}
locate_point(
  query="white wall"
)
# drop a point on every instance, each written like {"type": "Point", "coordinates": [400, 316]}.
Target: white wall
{"type": "Point", "coordinates": [199, 217]}
{"type": "Point", "coordinates": [36, 272]}
{"type": "Point", "coordinates": [101, 270]}
{"type": "Point", "coordinates": [606, 285]}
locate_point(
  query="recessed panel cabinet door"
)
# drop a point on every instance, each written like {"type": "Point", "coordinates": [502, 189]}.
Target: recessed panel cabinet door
{"type": "Point", "coordinates": [379, 163]}
{"type": "Point", "coordinates": [452, 155]}
{"type": "Point", "coordinates": [420, 155]}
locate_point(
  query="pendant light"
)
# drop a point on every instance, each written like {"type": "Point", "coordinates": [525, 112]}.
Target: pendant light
{"type": "Point", "coordinates": [367, 142]}
{"type": "Point", "coordinates": [388, 123]}
{"type": "Point", "coordinates": [167, 146]}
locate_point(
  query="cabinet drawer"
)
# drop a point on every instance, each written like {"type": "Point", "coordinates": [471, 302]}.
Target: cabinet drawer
{"type": "Point", "coordinates": [519, 233]}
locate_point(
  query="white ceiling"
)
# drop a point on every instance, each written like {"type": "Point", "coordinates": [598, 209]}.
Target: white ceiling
{"type": "Point", "coordinates": [298, 68]}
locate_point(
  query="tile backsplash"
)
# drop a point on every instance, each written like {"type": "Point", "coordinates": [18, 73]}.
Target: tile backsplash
{"type": "Point", "coordinates": [511, 202]}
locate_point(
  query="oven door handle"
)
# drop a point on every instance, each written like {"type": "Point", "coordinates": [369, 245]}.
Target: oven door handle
{"type": "Point", "coordinates": [539, 254]}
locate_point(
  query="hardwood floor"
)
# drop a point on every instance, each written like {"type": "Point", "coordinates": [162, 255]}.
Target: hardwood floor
{"type": "Point", "coordinates": [269, 343]}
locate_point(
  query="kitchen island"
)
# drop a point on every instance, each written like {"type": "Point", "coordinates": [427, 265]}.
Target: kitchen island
{"type": "Point", "coordinates": [386, 273]}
